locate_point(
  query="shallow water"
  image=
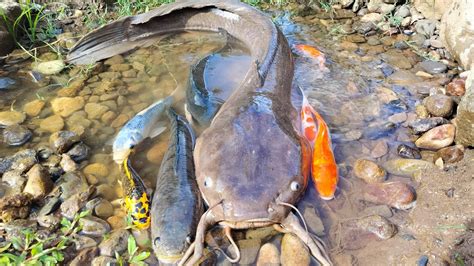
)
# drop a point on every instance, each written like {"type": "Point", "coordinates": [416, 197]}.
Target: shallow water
{"type": "Point", "coordinates": [345, 96]}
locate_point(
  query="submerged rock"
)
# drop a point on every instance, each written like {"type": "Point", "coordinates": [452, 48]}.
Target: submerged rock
{"type": "Point", "coordinates": [16, 135]}
{"type": "Point", "coordinates": [117, 242]}
{"type": "Point", "coordinates": [6, 83]}
{"type": "Point", "coordinates": [294, 251]}
{"type": "Point", "coordinates": [21, 161]}
{"type": "Point", "coordinates": [355, 234]}
{"type": "Point", "coordinates": [34, 108]}
{"type": "Point", "coordinates": [104, 209]}
{"type": "Point", "coordinates": [406, 167]}
{"type": "Point", "coordinates": [104, 261]}
{"type": "Point", "coordinates": [433, 67]}
{"type": "Point", "coordinates": [52, 123]}
{"type": "Point", "coordinates": [72, 183]}
{"type": "Point", "coordinates": [268, 255]}
{"type": "Point", "coordinates": [73, 204]}
{"type": "Point", "coordinates": [97, 169]}
{"type": "Point", "coordinates": [315, 224]}
{"type": "Point", "coordinates": [408, 152]}
{"type": "Point", "coordinates": [39, 183]}
{"type": "Point", "coordinates": [14, 180]}
{"type": "Point", "coordinates": [85, 257]}
{"type": "Point", "coordinates": [425, 124]}
{"type": "Point", "coordinates": [8, 118]}
{"type": "Point", "coordinates": [379, 130]}
{"type": "Point", "coordinates": [437, 138]}
{"type": "Point", "coordinates": [394, 194]}
{"type": "Point", "coordinates": [15, 207]}
{"type": "Point", "coordinates": [65, 106]}
{"type": "Point", "coordinates": [79, 152]}
{"type": "Point", "coordinates": [377, 225]}
{"type": "Point", "coordinates": [82, 242]}
{"type": "Point", "coordinates": [94, 226]}
{"type": "Point", "coordinates": [439, 105]}
{"type": "Point", "coordinates": [369, 171]}
{"type": "Point", "coordinates": [67, 164]}
{"type": "Point", "coordinates": [50, 67]}
{"type": "Point", "coordinates": [63, 140]}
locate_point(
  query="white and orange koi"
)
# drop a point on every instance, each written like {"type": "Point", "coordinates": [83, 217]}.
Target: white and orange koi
{"type": "Point", "coordinates": [313, 53]}
{"type": "Point", "coordinates": [323, 167]}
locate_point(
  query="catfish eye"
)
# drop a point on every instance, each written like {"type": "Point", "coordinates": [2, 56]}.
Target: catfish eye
{"type": "Point", "coordinates": [295, 186]}
{"type": "Point", "coordinates": [208, 181]}
{"type": "Point", "coordinates": [189, 240]}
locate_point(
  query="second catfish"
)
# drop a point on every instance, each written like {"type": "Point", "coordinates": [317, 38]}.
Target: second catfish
{"type": "Point", "coordinates": [177, 204]}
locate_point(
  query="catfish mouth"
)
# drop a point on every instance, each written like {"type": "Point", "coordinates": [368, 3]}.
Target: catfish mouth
{"type": "Point", "coordinates": [169, 259]}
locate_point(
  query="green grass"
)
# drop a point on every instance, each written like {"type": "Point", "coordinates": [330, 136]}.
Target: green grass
{"type": "Point", "coordinates": [258, 3]}
{"type": "Point", "coordinates": [34, 25]}
{"type": "Point", "coordinates": [32, 249]}
{"type": "Point", "coordinates": [27, 22]}
{"type": "Point", "coordinates": [130, 7]}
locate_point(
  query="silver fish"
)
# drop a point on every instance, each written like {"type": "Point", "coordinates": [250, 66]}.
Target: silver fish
{"type": "Point", "coordinates": [141, 126]}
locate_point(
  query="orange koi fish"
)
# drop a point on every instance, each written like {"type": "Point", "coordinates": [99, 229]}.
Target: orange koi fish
{"type": "Point", "coordinates": [324, 167]}
{"type": "Point", "coordinates": [313, 53]}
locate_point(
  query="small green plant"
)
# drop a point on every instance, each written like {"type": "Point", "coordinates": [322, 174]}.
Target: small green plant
{"type": "Point", "coordinates": [459, 259]}
{"type": "Point", "coordinates": [30, 250]}
{"type": "Point", "coordinates": [70, 227]}
{"type": "Point", "coordinates": [96, 16]}
{"type": "Point", "coordinates": [132, 256]}
{"type": "Point", "coordinates": [326, 5]}
{"type": "Point", "coordinates": [132, 7]}
{"type": "Point", "coordinates": [27, 22]}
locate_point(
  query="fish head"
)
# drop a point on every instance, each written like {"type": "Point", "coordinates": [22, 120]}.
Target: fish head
{"type": "Point", "coordinates": [124, 143]}
{"type": "Point", "coordinates": [171, 242]}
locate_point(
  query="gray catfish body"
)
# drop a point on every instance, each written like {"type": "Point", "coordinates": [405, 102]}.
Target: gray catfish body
{"type": "Point", "coordinates": [200, 101]}
{"type": "Point", "coordinates": [176, 205]}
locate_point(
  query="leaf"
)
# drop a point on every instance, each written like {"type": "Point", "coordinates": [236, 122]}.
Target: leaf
{"type": "Point", "coordinates": [9, 257]}
{"type": "Point", "coordinates": [62, 244]}
{"type": "Point", "coordinates": [49, 260]}
{"type": "Point", "coordinates": [140, 257]}
{"type": "Point", "coordinates": [16, 243]}
{"type": "Point", "coordinates": [58, 255]}
{"type": "Point", "coordinates": [132, 246]}
{"type": "Point", "coordinates": [84, 213]}
{"type": "Point", "coordinates": [118, 258]}
{"type": "Point", "coordinates": [66, 223]}
{"type": "Point", "coordinates": [36, 249]}
{"type": "Point", "coordinates": [4, 248]}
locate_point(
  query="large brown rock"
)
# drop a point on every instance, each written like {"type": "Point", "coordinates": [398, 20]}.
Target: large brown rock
{"type": "Point", "coordinates": [465, 117]}
{"type": "Point", "coordinates": [12, 10]}
{"type": "Point", "coordinates": [432, 9]}
{"type": "Point", "coordinates": [457, 31]}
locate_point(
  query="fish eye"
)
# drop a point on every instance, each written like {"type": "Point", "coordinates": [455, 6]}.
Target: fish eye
{"type": "Point", "coordinates": [295, 186]}
{"type": "Point", "coordinates": [189, 240]}
{"type": "Point", "coordinates": [156, 241]}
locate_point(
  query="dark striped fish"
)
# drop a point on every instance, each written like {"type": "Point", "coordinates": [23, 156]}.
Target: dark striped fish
{"type": "Point", "coordinates": [177, 205]}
